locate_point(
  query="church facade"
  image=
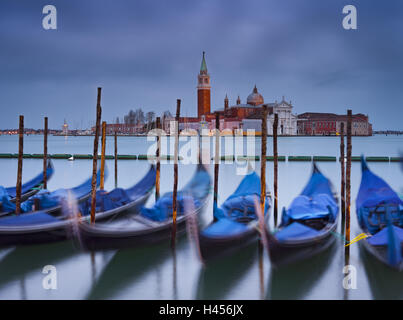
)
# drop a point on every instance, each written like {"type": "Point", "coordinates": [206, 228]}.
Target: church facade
{"type": "Point", "coordinates": [248, 115]}
{"type": "Point", "coordinates": [243, 115]}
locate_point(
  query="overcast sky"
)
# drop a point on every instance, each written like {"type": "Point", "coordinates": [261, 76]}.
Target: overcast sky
{"type": "Point", "coordinates": [147, 53]}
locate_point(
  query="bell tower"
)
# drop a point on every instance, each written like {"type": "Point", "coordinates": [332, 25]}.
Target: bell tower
{"type": "Point", "coordinates": [203, 90]}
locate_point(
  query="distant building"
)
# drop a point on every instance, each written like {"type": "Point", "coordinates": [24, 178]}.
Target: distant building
{"type": "Point", "coordinates": [313, 123]}
{"type": "Point", "coordinates": [65, 128]}
{"type": "Point", "coordinates": [203, 90]}
{"type": "Point", "coordinates": [242, 115]}
{"type": "Point", "coordinates": [248, 115]}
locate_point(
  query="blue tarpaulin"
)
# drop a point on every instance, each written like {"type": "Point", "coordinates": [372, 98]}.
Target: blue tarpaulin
{"type": "Point", "coordinates": [106, 201]}
{"type": "Point", "coordinates": [3, 193]}
{"type": "Point", "coordinates": [315, 202]}
{"type": "Point", "coordinates": [36, 181]}
{"type": "Point", "coordinates": [195, 190]}
{"type": "Point", "coordinates": [162, 210]}
{"type": "Point", "coordinates": [374, 190]}
{"type": "Point", "coordinates": [381, 238]}
{"type": "Point", "coordinates": [242, 202]}
{"type": "Point", "coordinates": [296, 231]}
{"type": "Point", "coordinates": [49, 199]}
{"type": "Point", "coordinates": [378, 209]}
{"type": "Point", "coordinates": [118, 197]}
{"type": "Point", "coordinates": [224, 227]}
{"type": "Point", "coordinates": [238, 205]}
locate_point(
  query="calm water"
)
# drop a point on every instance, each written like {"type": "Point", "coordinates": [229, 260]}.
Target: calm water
{"type": "Point", "coordinates": [155, 273]}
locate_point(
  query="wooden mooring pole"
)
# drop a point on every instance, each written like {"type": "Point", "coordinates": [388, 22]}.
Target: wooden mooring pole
{"type": "Point", "coordinates": [263, 160]}
{"type": "Point", "coordinates": [275, 166]}
{"type": "Point", "coordinates": [95, 157]}
{"type": "Point", "coordinates": [45, 154]}
{"type": "Point", "coordinates": [175, 189]}
{"type": "Point", "coordinates": [116, 159]}
{"type": "Point", "coordinates": [343, 177]}
{"type": "Point", "coordinates": [158, 154]}
{"type": "Point", "coordinates": [348, 179]}
{"type": "Point", "coordinates": [216, 162]}
{"type": "Point", "coordinates": [102, 185]}
{"type": "Point", "coordinates": [19, 169]}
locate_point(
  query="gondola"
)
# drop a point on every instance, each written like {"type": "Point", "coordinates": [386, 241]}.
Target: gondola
{"type": "Point", "coordinates": [28, 189]}
{"type": "Point", "coordinates": [380, 215]}
{"type": "Point", "coordinates": [40, 227]}
{"type": "Point", "coordinates": [50, 201]}
{"type": "Point", "coordinates": [151, 225]}
{"type": "Point", "coordinates": [307, 226]}
{"type": "Point", "coordinates": [236, 222]}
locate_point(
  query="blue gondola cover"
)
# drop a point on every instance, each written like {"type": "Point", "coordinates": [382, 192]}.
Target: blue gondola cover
{"type": "Point", "coordinates": [381, 238]}
{"type": "Point", "coordinates": [373, 192]}
{"type": "Point", "coordinates": [224, 227]}
{"type": "Point", "coordinates": [242, 202]}
{"type": "Point", "coordinates": [106, 201]}
{"type": "Point", "coordinates": [49, 199]}
{"type": "Point", "coordinates": [196, 189]}
{"type": "Point", "coordinates": [296, 231]}
{"type": "Point", "coordinates": [27, 220]}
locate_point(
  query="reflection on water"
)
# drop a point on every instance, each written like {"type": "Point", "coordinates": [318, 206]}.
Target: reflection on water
{"type": "Point", "coordinates": [218, 276]}
{"type": "Point", "coordinates": [295, 281]}
{"type": "Point", "coordinates": [155, 272]}
{"type": "Point", "coordinates": [25, 259]}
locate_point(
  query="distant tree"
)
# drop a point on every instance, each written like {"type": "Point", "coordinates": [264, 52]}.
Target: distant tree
{"type": "Point", "coordinates": [130, 118]}
{"type": "Point", "coordinates": [150, 116]}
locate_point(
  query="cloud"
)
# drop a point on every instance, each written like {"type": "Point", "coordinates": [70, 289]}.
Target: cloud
{"type": "Point", "coordinates": [147, 53]}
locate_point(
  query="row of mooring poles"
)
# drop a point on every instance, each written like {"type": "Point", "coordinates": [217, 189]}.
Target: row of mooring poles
{"type": "Point", "coordinates": [175, 187]}
{"type": "Point", "coordinates": [275, 166]}
{"type": "Point", "coordinates": [95, 156]}
{"type": "Point", "coordinates": [345, 191]}
{"type": "Point", "coordinates": [216, 162]}
{"type": "Point", "coordinates": [116, 159]}
{"type": "Point", "coordinates": [158, 155]}
{"type": "Point", "coordinates": [103, 145]}
{"type": "Point", "coordinates": [263, 160]}
{"type": "Point", "coordinates": [348, 183]}
{"type": "Point", "coordinates": [19, 169]}
{"type": "Point", "coordinates": [343, 179]}
{"type": "Point", "coordinates": [45, 153]}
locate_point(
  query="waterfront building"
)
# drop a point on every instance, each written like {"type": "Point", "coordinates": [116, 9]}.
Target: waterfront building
{"type": "Point", "coordinates": [203, 90]}
{"type": "Point", "coordinates": [65, 128]}
{"type": "Point", "coordinates": [122, 128]}
{"type": "Point", "coordinates": [241, 115]}
{"type": "Point", "coordinates": [248, 115]}
{"type": "Point", "coordinates": [315, 123]}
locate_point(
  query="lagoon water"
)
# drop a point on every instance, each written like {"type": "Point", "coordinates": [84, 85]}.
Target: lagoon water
{"type": "Point", "coordinates": [154, 272]}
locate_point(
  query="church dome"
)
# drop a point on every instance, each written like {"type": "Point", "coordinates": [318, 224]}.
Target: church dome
{"type": "Point", "coordinates": [255, 98]}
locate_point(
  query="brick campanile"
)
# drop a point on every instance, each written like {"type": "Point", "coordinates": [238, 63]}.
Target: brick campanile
{"type": "Point", "coordinates": [203, 90]}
